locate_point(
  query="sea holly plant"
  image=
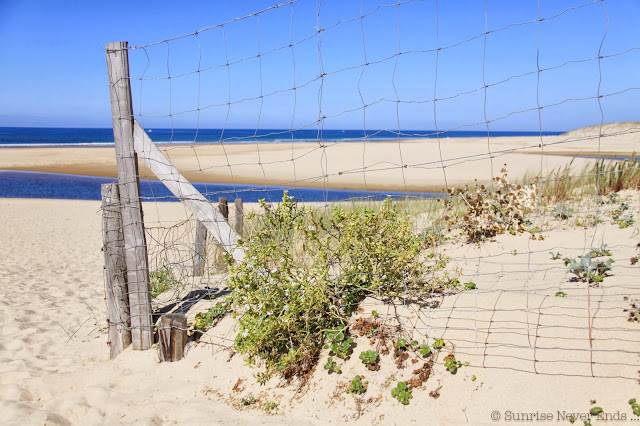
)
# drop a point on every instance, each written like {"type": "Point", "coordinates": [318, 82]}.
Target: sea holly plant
{"type": "Point", "coordinates": [555, 256]}
{"type": "Point", "coordinates": [601, 251]}
{"type": "Point", "coordinates": [402, 393]}
{"type": "Point", "coordinates": [588, 270]}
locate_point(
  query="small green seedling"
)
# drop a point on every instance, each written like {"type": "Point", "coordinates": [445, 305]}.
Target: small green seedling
{"type": "Point", "coordinates": [572, 419]}
{"type": "Point", "coordinates": [438, 344]}
{"type": "Point", "coordinates": [249, 400]}
{"type": "Point", "coordinates": [470, 285]}
{"type": "Point", "coordinates": [331, 366]}
{"type": "Point", "coordinates": [402, 344]}
{"type": "Point", "coordinates": [452, 364]}
{"type": "Point", "coordinates": [402, 393]}
{"type": "Point", "coordinates": [357, 387]}
{"type": "Point", "coordinates": [369, 357]}
{"type": "Point", "coordinates": [635, 407]}
{"type": "Point", "coordinates": [595, 411]}
{"type": "Point", "coordinates": [556, 255]}
{"type": "Point", "coordinates": [270, 406]}
{"type": "Point", "coordinates": [338, 343]}
{"type": "Point", "coordinates": [562, 212]}
{"type": "Point", "coordinates": [599, 252]}
{"type": "Point", "coordinates": [425, 350]}
{"type": "Point", "coordinates": [375, 314]}
{"type": "Point", "coordinates": [625, 221]}
{"type": "Point", "coordinates": [473, 378]}
{"type": "Point", "coordinates": [561, 294]}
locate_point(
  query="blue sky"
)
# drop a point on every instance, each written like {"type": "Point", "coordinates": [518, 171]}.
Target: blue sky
{"type": "Point", "coordinates": [53, 68]}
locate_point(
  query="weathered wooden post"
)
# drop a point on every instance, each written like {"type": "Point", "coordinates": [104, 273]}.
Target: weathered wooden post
{"type": "Point", "coordinates": [200, 245]}
{"type": "Point", "coordinates": [172, 337]}
{"type": "Point", "coordinates": [223, 206]}
{"type": "Point", "coordinates": [128, 179]}
{"type": "Point", "coordinates": [239, 216]}
{"type": "Point", "coordinates": [115, 271]}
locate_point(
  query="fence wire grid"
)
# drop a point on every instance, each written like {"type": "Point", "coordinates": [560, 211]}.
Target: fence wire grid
{"type": "Point", "coordinates": [259, 104]}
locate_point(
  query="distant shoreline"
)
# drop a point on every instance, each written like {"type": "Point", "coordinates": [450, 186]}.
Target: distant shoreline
{"type": "Point", "coordinates": [407, 165]}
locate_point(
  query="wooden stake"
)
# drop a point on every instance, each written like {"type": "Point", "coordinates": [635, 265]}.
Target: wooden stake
{"type": "Point", "coordinates": [128, 179]}
{"type": "Point", "coordinates": [200, 245]}
{"type": "Point", "coordinates": [115, 271]}
{"type": "Point", "coordinates": [172, 337]}
{"type": "Point", "coordinates": [223, 206]}
{"type": "Point", "coordinates": [239, 216]}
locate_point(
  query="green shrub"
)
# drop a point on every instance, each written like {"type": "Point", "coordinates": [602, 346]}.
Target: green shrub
{"type": "Point", "coordinates": [304, 274]}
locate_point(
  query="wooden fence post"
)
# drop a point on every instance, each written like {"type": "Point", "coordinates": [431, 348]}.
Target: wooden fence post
{"type": "Point", "coordinates": [239, 216]}
{"type": "Point", "coordinates": [223, 206]}
{"type": "Point", "coordinates": [128, 179]}
{"type": "Point", "coordinates": [172, 337]}
{"type": "Point", "coordinates": [200, 245]}
{"type": "Point", "coordinates": [115, 267]}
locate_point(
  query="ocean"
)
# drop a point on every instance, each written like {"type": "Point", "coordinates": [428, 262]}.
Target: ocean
{"type": "Point", "coordinates": [42, 136]}
{"type": "Point", "coordinates": [59, 186]}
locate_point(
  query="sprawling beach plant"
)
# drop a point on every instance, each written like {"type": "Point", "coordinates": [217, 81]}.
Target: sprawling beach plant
{"type": "Point", "coordinates": [305, 272]}
{"type": "Point", "coordinates": [492, 212]}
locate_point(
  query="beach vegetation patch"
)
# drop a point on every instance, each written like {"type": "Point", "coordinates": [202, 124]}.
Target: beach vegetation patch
{"type": "Point", "coordinates": [493, 211]}
{"type": "Point", "coordinates": [306, 271]}
{"type": "Point", "coordinates": [161, 280]}
{"type": "Point", "coordinates": [588, 270]}
{"type": "Point", "coordinates": [205, 320]}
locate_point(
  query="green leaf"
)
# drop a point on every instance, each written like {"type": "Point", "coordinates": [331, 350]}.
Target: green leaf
{"type": "Point", "coordinates": [595, 411]}
{"type": "Point", "coordinates": [425, 350]}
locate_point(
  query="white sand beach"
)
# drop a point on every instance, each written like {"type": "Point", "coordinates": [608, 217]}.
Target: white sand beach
{"type": "Point", "coordinates": [56, 370]}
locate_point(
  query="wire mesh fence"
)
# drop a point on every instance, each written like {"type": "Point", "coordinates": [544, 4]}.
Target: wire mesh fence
{"type": "Point", "coordinates": [453, 113]}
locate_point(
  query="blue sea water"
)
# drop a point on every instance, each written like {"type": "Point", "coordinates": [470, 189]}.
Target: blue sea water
{"type": "Point", "coordinates": [18, 184]}
{"type": "Point", "coordinates": [41, 136]}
